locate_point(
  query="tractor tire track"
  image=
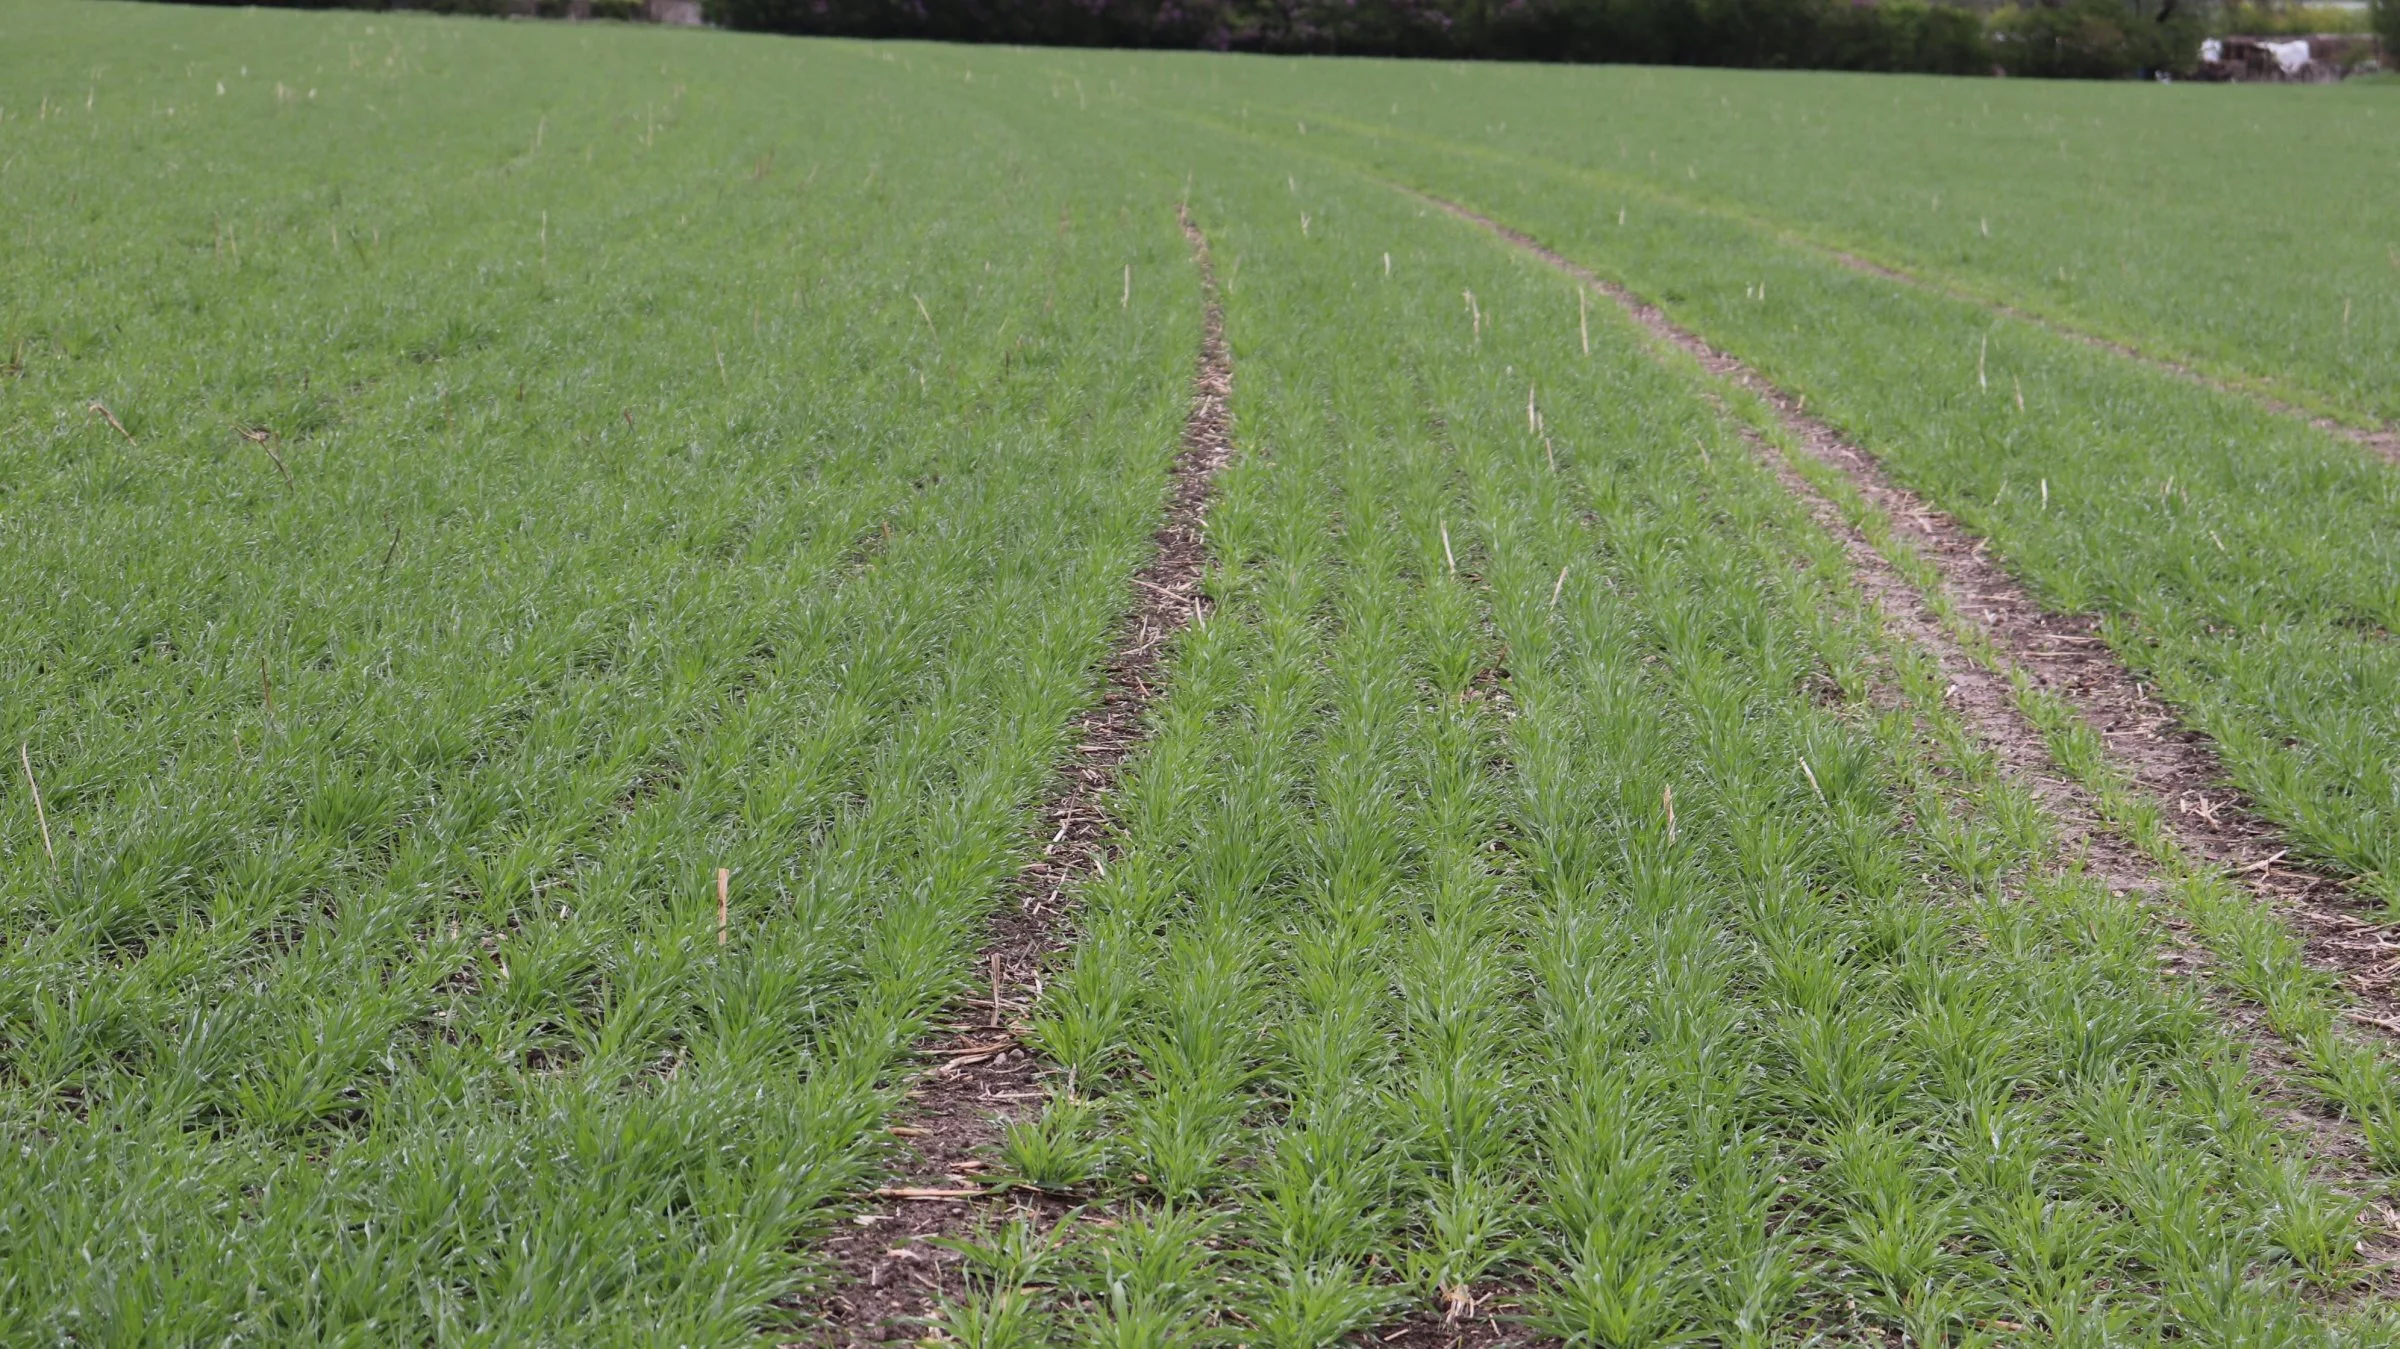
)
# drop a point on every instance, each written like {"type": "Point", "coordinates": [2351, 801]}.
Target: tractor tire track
{"type": "Point", "coordinates": [2063, 654]}
{"type": "Point", "coordinates": [2383, 442]}
{"type": "Point", "coordinates": [890, 1276]}
{"type": "Point", "coordinates": [2382, 439]}
{"type": "Point", "coordinates": [2173, 765]}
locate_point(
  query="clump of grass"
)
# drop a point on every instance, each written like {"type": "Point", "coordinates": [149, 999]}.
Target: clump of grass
{"type": "Point", "coordinates": [1005, 1265]}
{"type": "Point", "coordinates": [1054, 1150]}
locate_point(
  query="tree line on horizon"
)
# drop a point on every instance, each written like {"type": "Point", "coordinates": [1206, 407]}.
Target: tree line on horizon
{"type": "Point", "coordinates": [2072, 39]}
{"type": "Point", "coordinates": [2087, 38]}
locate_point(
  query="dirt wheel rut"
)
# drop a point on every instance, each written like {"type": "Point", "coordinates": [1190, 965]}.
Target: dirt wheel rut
{"type": "Point", "coordinates": [2064, 654]}
{"type": "Point", "coordinates": [2383, 441]}
{"type": "Point", "coordinates": [890, 1277]}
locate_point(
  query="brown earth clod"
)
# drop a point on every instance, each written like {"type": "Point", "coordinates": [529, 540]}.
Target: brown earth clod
{"type": "Point", "coordinates": [890, 1276]}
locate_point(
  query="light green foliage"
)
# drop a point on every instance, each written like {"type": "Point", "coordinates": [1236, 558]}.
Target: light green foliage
{"type": "Point", "coordinates": [2187, 220]}
{"type": "Point", "coordinates": [2260, 960]}
{"type": "Point", "coordinates": [2297, 20]}
{"type": "Point", "coordinates": [1542, 873]}
{"type": "Point", "coordinates": [639, 523]}
{"type": "Point", "coordinates": [2242, 559]}
{"type": "Point", "coordinates": [1635, 943]}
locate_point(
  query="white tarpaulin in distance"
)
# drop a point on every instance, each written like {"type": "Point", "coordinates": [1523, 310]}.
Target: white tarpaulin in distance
{"type": "Point", "coordinates": [2290, 55]}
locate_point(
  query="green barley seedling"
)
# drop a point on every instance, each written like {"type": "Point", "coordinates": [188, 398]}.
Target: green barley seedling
{"type": "Point", "coordinates": [1000, 1309]}
{"type": "Point", "coordinates": [1053, 1151]}
{"type": "Point", "coordinates": [1468, 1219]}
{"type": "Point", "coordinates": [2316, 1227]}
{"type": "Point", "coordinates": [1011, 1254]}
{"type": "Point", "coordinates": [1151, 1278]}
{"type": "Point", "coordinates": [1319, 1305]}
{"type": "Point", "coordinates": [995, 1318]}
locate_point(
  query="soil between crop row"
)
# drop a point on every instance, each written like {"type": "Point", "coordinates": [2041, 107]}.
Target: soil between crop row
{"type": "Point", "coordinates": [890, 1274]}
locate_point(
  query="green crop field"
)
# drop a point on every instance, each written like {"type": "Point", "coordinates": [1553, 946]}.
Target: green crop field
{"type": "Point", "coordinates": [2245, 231]}
{"type": "Point", "coordinates": [556, 573]}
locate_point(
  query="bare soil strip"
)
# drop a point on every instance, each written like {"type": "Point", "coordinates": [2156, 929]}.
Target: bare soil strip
{"type": "Point", "coordinates": [891, 1276]}
{"type": "Point", "coordinates": [2063, 654]}
{"type": "Point", "coordinates": [1495, 1323]}
{"type": "Point", "coordinates": [2384, 441]}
